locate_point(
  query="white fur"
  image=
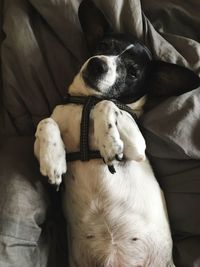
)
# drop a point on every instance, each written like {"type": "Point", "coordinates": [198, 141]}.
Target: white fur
{"type": "Point", "coordinates": [114, 220]}
{"type": "Point", "coordinates": [50, 151]}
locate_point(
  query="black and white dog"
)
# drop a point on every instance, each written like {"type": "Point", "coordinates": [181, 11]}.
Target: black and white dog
{"type": "Point", "coordinates": [114, 220]}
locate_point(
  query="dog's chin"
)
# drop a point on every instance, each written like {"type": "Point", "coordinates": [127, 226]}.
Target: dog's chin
{"type": "Point", "coordinates": [91, 82]}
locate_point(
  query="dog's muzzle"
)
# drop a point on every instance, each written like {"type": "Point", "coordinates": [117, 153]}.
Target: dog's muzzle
{"type": "Point", "coordinates": [99, 73]}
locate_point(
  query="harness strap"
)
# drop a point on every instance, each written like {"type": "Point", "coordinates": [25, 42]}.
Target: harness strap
{"type": "Point", "coordinates": [84, 138]}
{"type": "Point", "coordinates": [73, 156]}
{"type": "Point", "coordinates": [81, 100]}
{"type": "Point", "coordinates": [85, 154]}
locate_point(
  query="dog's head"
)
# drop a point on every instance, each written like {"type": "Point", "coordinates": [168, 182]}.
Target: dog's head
{"type": "Point", "coordinates": [121, 66]}
{"type": "Point", "coordinates": [118, 67]}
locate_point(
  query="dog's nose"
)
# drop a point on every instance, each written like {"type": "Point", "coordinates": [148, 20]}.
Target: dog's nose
{"type": "Point", "coordinates": [97, 66]}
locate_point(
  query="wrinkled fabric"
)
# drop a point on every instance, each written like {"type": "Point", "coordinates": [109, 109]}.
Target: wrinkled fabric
{"type": "Point", "coordinates": [22, 209]}
{"type": "Point", "coordinates": [38, 61]}
{"type": "Point", "coordinates": [31, 227]}
{"type": "Point", "coordinates": [171, 131]}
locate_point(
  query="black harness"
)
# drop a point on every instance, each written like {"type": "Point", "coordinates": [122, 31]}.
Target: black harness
{"type": "Point", "coordinates": [88, 102]}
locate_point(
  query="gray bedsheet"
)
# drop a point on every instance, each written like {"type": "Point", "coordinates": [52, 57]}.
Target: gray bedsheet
{"type": "Point", "coordinates": [44, 48]}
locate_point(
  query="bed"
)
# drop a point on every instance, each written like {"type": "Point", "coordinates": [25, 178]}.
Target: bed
{"type": "Point", "coordinates": [42, 48]}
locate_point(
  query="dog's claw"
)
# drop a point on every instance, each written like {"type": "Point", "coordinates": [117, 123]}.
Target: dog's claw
{"type": "Point", "coordinates": [55, 182]}
{"type": "Point", "coordinates": [57, 187]}
{"type": "Point", "coordinates": [111, 169]}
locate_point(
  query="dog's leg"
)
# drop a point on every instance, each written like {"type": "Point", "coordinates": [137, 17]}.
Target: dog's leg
{"type": "Point", "coordinates": [116, 133]}
{"type": "Point", "coordinates": [50, 151]}
{"type": "Point", "coordinates": [134, 143]}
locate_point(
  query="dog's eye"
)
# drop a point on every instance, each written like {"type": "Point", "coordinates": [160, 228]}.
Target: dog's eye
{"type": "Point", "coordinates": [132, 71]}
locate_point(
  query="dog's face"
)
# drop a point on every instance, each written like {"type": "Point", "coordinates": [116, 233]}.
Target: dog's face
{"type": "Point", "coordinates": [121, 67]}
{"type": "Point", "coordinates": [117, 68]}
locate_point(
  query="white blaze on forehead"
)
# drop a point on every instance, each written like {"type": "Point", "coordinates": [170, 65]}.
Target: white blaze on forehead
{"type": "Point", "coordinates": [127, 48]}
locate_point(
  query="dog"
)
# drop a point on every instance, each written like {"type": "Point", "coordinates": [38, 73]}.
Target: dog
{"type": "Point", "coordinates": [114, 219]}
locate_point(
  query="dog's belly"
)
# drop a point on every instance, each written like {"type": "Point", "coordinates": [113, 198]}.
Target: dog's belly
{"type": "Point", "coordinates": [104, 208]}
{"type": "Point", "coordinates": [91, 188]}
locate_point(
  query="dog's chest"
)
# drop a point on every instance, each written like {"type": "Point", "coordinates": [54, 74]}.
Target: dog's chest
{"type": "Point", "coordinates": [69, 119]}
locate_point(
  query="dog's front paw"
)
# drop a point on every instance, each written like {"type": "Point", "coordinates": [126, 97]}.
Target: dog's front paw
{"type": "Point", "coordinates": [106, 133]}
{"type": "Point", "coordinates": [109, 143]}
{"type": "Point", "coordinates": [50, 151]}
{"type": "Point", "coordinates": [116, 134]}
{"type": "Point", "coordinates": [111, 147]}
{"type": "Point", "coordinates": [53, 164]}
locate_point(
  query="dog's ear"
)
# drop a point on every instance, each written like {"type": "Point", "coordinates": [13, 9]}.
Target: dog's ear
{"type": "Point", "coordinates": [167, 79]}
{"type": "Point", "coordinates": [93, 23]}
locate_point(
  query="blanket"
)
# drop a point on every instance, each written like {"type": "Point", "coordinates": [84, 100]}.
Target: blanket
{"type": "Point", "coordinates": [43, 49]}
